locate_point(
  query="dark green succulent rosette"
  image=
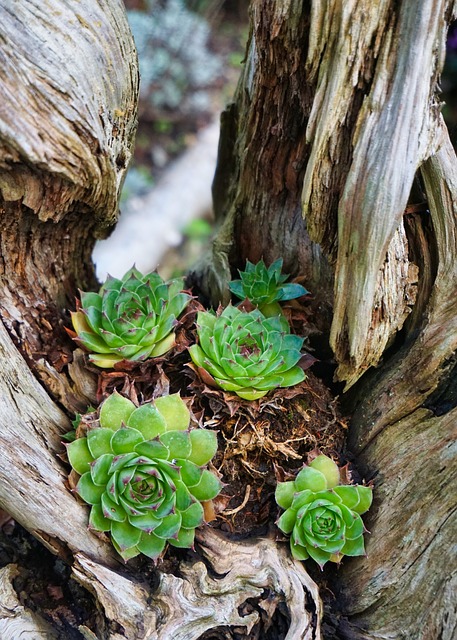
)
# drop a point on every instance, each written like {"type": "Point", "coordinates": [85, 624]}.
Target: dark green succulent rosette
{"type": "Point", "coordinates": [246, 353]}
{"type": "Point", "coordinates": [129, 319]}
{"type": "Point", "coordinates": [265, 286]}
{"type": "Point", "coordinates": [323, 516]}
{"type": "Point", "coordinates": [143, 473]}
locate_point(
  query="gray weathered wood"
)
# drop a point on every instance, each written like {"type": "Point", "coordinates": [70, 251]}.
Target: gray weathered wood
{"type": "Point", "coordinates": [68, 92]}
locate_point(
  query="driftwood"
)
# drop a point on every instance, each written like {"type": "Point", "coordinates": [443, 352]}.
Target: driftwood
{"type": "Point", "coordinates": [336, 112]}
{"type": "Point", "coordinates": [184, 608]}
{"type": "Point", "coordinates": [15, 620]}
{"type": "Point", "coordinates": [68, 91]}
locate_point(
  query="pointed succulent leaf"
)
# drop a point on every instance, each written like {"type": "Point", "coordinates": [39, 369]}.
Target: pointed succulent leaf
{"type": "Point", "coordinates": [284, 494]}
{"type": "Point", "coordinates": [87, 490]}
{"type": "Point", "coordinates": [169, 527]}
{"type": "Point", "coordinates": [152, 449]}
{"type": "Point", "coordinates": [290, 291]}
{"type": "Point", "coordinates": [207, 488]}
{"type": "Point", "coordinates": [354, 547]}
{"type": "Point", "coordinates": [104, 361]}
{"type": "Point", "coordinates": [147, 522]}
{"type": "Point", "coordinates": [174, 410]}
{"type": "Point", "coordinates": [111, 510]}
{"type": "Point", "coordinates": [184, 540]}
{"type": "Point", "coordinates": [93, 343]}
{"type": "Point", "coordinates": [329, 468]}
{"type": "Point", "coordinates": [178, 444]}
{"type": "Point", "coordinates": [97, 520]}
{"type": "Point", "coordinates": [190, 472]}
{"type": "Point", "coordinates": [148, 420]}
{"type": "Point", "coordinates": [365, 499]}
{"type": "Point", "coordinates": [125, 439]}
{"type": "Point", "coordinates": [79, 322]}
{"type": "Point", "coordinates": [193, 516]}
{"type": "Point", "coordinates": [125, 535]}
{"type": "Point", "coordinates": [98, 441]}
{"type": "Point", "coordinates": [79, 455]}
{"type": "Point", "coordinates": [287, 521]}
{"type": "Point", "coordinates": [99, 469]}
{"type": "Point", "coordinates": [349, 495]}
{"type": "Point", "coordinates": [312, 479]}
{"type": "Point", "coordinates": [298, 552]}
{"type": "Point", "coordinates": [151, 545]}
{"type": "Point", "coordinates": [251, 394]}
{"type": "Point", "coordinates": [204, 446]}
{"type": "Point", "coordinates": [163, 346]}
{"type": "Point", "coordinates": [115, 410]}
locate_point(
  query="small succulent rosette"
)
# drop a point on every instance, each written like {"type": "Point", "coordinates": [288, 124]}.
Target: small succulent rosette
{"type": "Point", "coordinates": [246, 353]}
{"type": "Point", "coordinates": [321, 515]}
{"type": "Point", "coordinates": [265, 287]}
{"type": "Point", "coordinates": [143, 471]}
{"type": "Point", "coordinates": [129, 319]}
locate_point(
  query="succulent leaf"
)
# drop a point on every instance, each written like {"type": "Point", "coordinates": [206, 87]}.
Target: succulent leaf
{"type": "Point", "coordinates": [115, 410]}
{"type": "Point", "coordinates": [174, 411]}
{"type": "Point", "coordinates": [264, 287]}
{"type": "Point", "coordinates": [329, 468]}
{"type": "Point", "coordinates": [204, 446]}
{"type": "Point", "coordinates": [129, 319]}
{"type": "Point", "coordinates": [246, 352]}
{"type": "Point", "coordinates": [322, 517]}
{"type": "Point", "coordinates": [79, 455]}
{"type": "Point", "coordinates": [145, 479]}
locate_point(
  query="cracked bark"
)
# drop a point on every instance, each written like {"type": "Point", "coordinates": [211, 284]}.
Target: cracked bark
{"type": "Point", "coordinates": [337, 107]}
{"type": "Point", "coordinates": [68, 99]}
{"type": "Point", "coordinates": [337, 103]}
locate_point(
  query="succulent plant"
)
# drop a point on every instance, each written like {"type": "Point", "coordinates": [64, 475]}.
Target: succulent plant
{"type": "Point", "coordinates": [129, 319]}
{"type": "Point", "coordinates": [143, 471]}
{"type": "Point", "coordinates": [265, 287]}
{"type": "Point", "coordinates": [246, 352]}
{"type": "Point", "coordinates": [323, 516]}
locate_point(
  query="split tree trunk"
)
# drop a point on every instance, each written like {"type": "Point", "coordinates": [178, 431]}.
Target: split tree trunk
{"type": "Point", "coordinates": [337, 102]}
{"type": "Point", "coordinates": [68, 100]}
{"type": "Point", "coordinates": [335, 115]}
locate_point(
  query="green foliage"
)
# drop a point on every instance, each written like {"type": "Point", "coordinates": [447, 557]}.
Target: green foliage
{"type": "Point", "coordinates": [143, 473]}
{"type": "Point", "coordinates": [176, 65]}
{"type": "Point", "coordinates": [129, 319]}
{"type": "Point", "coordinates": [246, 352]}
{"type": "Point", "coordinates": [321, 515]}
{"type": "Point", "coordinates": [265, 287]}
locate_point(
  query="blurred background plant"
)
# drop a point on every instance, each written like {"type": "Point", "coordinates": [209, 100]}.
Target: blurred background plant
{"type": "Point", "coordinates": [190, 54]}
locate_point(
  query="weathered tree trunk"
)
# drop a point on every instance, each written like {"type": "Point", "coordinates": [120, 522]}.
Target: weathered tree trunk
{"type": "Point", "coordinates": [68, 97]}
{"type": "Point", "coordinates": [336, 108]}
{"type": "Point", "coordinates": [336, 113]}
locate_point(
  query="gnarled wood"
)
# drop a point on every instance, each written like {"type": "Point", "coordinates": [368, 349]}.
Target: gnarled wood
{"type": "Point", "coordinates": [15, 620]}
{"type": "Point", "coordinates": [368, 103]}
{"type": "Point", "coordinates": [65, 138]}
{"type": "Point", "coordinates": [184, 608]}
{"type": "Point", "coordinates": [411, 452]}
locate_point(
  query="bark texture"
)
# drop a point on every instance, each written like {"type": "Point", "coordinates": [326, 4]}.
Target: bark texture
{"type": "Point", "coordinates": [351, 90]}
{"type": "Point", "coordinates": [68, 100]}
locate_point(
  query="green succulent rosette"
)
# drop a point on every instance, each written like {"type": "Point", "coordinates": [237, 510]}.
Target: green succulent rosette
{"type": "Point", "coordinates": [143, 473]}
{"type": "Point", "coordinates": [131, 318]}
{"type": "Point", "coordinates": [321, 515]}
{"type": "Point", "coordinates": [265, 286]}
{"type": "Point", "coordinates": [246, 353]}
